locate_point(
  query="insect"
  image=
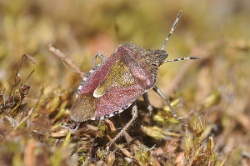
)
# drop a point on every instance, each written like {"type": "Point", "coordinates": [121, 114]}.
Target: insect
{"type": "Point", "coordinates": [111, 87]}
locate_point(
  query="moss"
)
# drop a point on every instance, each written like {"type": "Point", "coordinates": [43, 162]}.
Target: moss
{"type": "Point", "coordinates": [211, 95]}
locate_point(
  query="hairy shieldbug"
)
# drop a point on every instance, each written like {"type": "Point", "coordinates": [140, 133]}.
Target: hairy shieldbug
{"type": "Point", "coordinates": [111, 87]}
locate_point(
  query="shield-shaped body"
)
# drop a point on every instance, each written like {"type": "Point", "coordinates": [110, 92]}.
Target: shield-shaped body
{"type": "Point", "coordinates": [114, 85]}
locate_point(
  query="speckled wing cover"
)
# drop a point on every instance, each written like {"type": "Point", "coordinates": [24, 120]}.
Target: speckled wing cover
{"type": "Point", "coordinates": [111, 87]}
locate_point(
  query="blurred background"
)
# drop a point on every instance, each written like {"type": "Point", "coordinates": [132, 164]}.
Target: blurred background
{"type": "Point", "coordinates": [216, 87]}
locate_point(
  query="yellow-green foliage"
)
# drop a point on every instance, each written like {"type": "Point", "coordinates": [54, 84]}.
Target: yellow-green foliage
{"type": "Point", "coordinates": [211, 95]}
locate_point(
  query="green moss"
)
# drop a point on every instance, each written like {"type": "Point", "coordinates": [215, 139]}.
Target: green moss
{"type": "Point", "coordinates": [211, 95]}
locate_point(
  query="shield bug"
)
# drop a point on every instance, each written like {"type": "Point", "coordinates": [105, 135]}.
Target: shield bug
{"type": "Point", "coordinates": [111, 87]}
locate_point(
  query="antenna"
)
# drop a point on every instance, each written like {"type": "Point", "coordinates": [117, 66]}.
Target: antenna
{"type": "Point", "coordinates": [172, 29]}
{"type": "Point", "coordinates": [169, 35]}
{"type": "Point", "coordinates": [182, 59]}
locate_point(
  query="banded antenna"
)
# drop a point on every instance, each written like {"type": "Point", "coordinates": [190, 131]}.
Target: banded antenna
{"type": "Point", "coordinates": [172, 29]}
{"type": "Point", "coordinates": [169, 35]}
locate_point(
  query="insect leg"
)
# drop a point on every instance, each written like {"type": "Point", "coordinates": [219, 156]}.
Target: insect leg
{"type": "Point", "coordinates": [134, 116]}
{"type": "Point", "coordinates": [99, 55]}
{"type": "Point", "coordinates": [146, 100]}
{"type": "Point", "coordinates": [159, 92]}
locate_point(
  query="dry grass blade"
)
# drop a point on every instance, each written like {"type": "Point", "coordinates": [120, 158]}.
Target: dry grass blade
{"type": "Point", "coordinates": [66, 60]}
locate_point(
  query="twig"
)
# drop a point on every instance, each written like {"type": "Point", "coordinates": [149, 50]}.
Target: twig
{"type": "Point", "coordinates": [24, 119]}
{"type": "Point", "coordinates": [66, 60]}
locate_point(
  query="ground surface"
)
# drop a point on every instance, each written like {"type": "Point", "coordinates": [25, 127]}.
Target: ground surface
{"type": "Point", "coordinates": [212, 95]}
